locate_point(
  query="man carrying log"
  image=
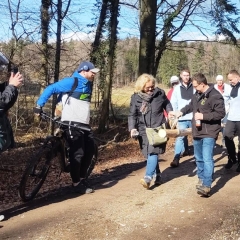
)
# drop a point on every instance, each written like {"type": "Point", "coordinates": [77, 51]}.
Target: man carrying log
{"type": "Point", "coordinates": [207, 105]}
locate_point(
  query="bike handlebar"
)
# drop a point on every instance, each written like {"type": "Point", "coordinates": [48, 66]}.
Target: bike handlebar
{"type": "Point", "coordinates": [57, 120]}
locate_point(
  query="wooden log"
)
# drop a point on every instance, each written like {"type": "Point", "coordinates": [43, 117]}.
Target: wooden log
{"type": "Point", "coordinates": [176, 132]}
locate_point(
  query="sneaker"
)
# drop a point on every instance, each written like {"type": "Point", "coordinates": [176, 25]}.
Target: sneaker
{"type": "Point", "coordinates": [1, 217]}
{"type": "Point", "coordinates": [174, 163]}
{"type": "Point", "coordinates": [83, 187]}
{"type": "Point", "coordinates": [88, 187]}
{"type": "Point", "coordinates": [199, 184]}
{"type": "Point", "coordinates": [145, 182]}
{"type": "Point", "coordinates": [204, 191]}
{"type": "Point", "coordinates": [158, 180]}
{"type": "Point", "coordinates": [230, 163]}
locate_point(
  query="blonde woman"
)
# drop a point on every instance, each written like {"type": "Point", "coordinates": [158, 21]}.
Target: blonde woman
{"type": "Point", "coordinates": [146, 109]}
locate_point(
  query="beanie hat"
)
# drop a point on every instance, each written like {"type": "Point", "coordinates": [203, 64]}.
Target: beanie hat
{"type": "Point", "coordinates": [219, 78]}
{"type": "Point", "coordinates": [174, 79]}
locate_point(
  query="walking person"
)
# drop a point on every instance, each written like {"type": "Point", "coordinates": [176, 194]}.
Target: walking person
{"type": "Point", "coordinates": [232, 128]}
{"type": "Point", "coordinates": [181, 96]}
{"type": "Point", "coordinates": [76, 110]}
{"type": "Point", "coordinates": [225, 90]}
{"type": "Point", "coordinates": [174, 80]}
{"type": "Point", "coordinates": [8, 96]}
{"type": "Point", "coordinates": [207, 105]}
{"type": "Point", "coordinates": [146, 109]}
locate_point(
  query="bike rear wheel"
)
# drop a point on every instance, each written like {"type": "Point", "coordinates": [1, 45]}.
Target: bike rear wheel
{"type": "Point", "coordinates": [35, 173]}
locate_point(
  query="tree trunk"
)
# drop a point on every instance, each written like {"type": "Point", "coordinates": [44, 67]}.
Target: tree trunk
{"type": "Point", "coordinates": [57, 55]}
{"type": "Point", "coordinates": [45, 20]}
{"type": "Point", "coordinates": [95, 55]}
{"type": "Point", "coordinates": [148, 10]}
{"type": "Point", "coordinates": [99, 31]}
{"type": "Point", "coordinates": [60, 16]}
{"type": "Point", "coordinates": [104, 117]}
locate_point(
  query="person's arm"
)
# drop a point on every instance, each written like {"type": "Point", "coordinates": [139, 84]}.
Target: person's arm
{"type": "Point", "coordinates": [218, 109]}
{"type": "Point", "coordinates": [10, 93]}
{"type": "Point", "coordinates": [168, 106]}
{"type": "Point", "coordinates": [62, 86]}
{"type": "Point", "coordinates": [132, 116]}
{"type": "Point", "coordinates": [187, 109]}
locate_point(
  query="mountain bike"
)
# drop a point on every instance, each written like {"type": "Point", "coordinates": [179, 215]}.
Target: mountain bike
{"type": "Point", "coordinates": [37, 168]}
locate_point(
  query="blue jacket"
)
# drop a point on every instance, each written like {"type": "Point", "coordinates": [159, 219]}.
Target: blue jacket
{"type": "Point", "coordinates": [65, 85]}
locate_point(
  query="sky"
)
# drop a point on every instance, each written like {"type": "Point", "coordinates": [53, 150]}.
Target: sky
{"type": "Point", "coordinates": [81, 14]}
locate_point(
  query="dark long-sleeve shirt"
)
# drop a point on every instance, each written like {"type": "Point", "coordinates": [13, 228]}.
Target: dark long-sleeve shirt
{"type": "Point", "coordinates": [8, 96]}
{"type": "Point", "coordinates": [211, 105]}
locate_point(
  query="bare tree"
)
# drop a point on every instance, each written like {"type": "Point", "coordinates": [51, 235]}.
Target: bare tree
{"type": "Point", "coordinates": [59, 19]}
{"type": "Point", "coordinates": [170, 19]}
{"type": "Point", "coordinates": [99, 31]}
{"type": "Point", "coordinates": [148, 11]}
{"type": "Point", "coordinates": [113, 22]}
{"type": "Point", "coordinates": [45, 22]}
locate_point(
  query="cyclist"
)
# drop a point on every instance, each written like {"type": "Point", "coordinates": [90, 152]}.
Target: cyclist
{"type": "Point", "coordinates": [8, 96]}
{"type": "Point", "coordinates": [75, 111]}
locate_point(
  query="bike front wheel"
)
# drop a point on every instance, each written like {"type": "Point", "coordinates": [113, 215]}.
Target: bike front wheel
{"type": "Point", "coordinates": [35, 174]}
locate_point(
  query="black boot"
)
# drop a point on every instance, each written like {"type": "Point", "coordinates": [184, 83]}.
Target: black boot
{"type": "Point", "coordinates": [231, 152]}
{"type": "Point", "coordinates": [184, 154]}
{"type": "Point", "coordinates": [175, 162]}
{"type": "Point", "coordinates": [230, 163]}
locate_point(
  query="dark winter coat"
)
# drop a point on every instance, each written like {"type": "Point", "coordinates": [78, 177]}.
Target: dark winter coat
{"type": "Point", "coordinates": [154, 118]}
{"type": "Point", "coordinates": [8, 96]}
{"type": "Point", "coordinates": [211, 105]}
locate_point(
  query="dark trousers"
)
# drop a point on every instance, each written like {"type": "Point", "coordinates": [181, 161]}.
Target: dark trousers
{"type": "Point", "coordinates": [232, 129]}
{"type": "Point", "coordinates": [81, 152]}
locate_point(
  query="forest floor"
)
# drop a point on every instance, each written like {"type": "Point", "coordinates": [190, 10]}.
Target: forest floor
{"type": "Point", "coordinates": [120, 208]}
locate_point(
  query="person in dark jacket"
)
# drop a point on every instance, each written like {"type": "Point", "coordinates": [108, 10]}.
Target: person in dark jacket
{"type": "Point", "coordinates": [146, 109]}
{"type": "Point", "coordinates": [207, 105]}
{"type": "Point", "coordinates": [8, 96]}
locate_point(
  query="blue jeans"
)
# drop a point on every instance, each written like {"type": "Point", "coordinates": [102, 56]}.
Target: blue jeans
{"type": "Point", "coordinates": [203, 152]}
{"type": "Point", "coordinates": [152, 166]}
{"type": "Point", "coordinates": [181, 144]}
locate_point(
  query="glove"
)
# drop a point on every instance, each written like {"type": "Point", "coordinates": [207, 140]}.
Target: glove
{"type": "Point", "coordinates": [37, 110]}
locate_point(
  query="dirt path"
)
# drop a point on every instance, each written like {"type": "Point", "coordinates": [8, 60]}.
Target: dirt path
{"type": "Point", "coordinates": [122, 209]}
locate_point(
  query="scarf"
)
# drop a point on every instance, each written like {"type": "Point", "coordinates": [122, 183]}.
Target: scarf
{"type": "Point", "coordinates": [145, 104]}
{"type": "Point", "coordinates": [234, 91]}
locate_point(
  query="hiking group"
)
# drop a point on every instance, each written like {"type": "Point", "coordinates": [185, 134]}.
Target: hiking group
{"type": "Point", "coordinates": [205, 108]}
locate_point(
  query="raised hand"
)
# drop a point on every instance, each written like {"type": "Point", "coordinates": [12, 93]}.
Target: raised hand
{"type": "Point", "coordinates": [16, 79]}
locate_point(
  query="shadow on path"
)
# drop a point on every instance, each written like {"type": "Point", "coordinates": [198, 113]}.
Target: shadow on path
{"type": "Point", "coordinates": [108, 178]}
